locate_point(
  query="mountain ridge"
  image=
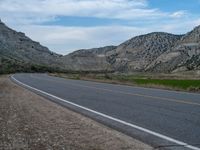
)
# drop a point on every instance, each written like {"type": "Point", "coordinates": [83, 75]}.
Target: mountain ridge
{"type": "Point", "coordinates": [152, 52]}
{"type": "Point", "coordinates": [157, 52]}
{"type": "Point", "coordinates": [16, 49]}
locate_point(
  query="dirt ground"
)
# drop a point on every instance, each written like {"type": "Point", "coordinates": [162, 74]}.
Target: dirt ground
{"type": "Point", "coordinates": [28, 121]}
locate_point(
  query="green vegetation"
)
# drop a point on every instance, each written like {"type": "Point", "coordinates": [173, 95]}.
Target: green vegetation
{"type": "Point", "coordinates": [10, 65]}
{"type": "Point", "coordinates": [174, 83]}
{"type": "Point", "coordinates": [165, 81]}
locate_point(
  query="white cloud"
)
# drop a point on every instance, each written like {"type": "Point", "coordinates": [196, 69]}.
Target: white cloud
{"type": "Point", "coordinates": [43, 10]}
{"type": "Point", "coordinates": [66, 39]}
{"type": "Point", "coordinates": [179, 14]}
{"type": "Point", "coordinates": [196, 22]}
{"type": "Point", "coordinates": [25, 16]}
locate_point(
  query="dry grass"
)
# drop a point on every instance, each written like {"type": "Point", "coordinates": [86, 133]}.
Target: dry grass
{"type": "Point", "coordinates": [178, 82]}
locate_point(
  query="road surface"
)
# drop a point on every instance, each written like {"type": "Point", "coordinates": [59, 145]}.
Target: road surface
{"type": "Point", "coordinates": [161, 118]}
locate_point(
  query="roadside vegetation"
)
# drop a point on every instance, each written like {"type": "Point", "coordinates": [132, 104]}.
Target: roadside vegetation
{"type": "Point", "coordinates": [10, 65]}
{"type": "Point", "coordinates": [164, 81]}
{"type": "Point", "coordinates": [185, 81]}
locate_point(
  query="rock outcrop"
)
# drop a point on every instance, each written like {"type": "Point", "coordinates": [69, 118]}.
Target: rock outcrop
{"type": "Point", "coordinates": [183, 56]}
{"type": "Point", "coordinates": [137, 53]}
{"type": "Point", "coordinates": [153, 52]}
{"type": "Point", "coordinates": [16, 46]}
{"type": "Point", "coordinates": [89, 60]}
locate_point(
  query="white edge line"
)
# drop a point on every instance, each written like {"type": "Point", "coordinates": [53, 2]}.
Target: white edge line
{"type": "Point", "coordinates": [112, 118]}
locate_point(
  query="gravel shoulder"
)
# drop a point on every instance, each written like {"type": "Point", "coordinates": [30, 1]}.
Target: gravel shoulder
{"type": "Point", "coordinates": [28, 121]}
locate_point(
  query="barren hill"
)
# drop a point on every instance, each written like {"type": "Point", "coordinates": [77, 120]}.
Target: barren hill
{"type": "Point", "coordinates": [153, 52]}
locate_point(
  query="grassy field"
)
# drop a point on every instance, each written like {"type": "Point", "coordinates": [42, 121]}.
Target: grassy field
{"type": "Point", "coordinates": [173, 82]}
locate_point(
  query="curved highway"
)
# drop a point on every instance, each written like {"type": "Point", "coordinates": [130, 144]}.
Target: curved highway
{"type": "Point", "coordinates": [164, 119]}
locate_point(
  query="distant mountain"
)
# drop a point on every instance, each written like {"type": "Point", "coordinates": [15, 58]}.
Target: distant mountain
{"type": "Point", "coordinates": [183, 56]}
{"type": "Point", "coordinates": [89, 60]}
{"type": "Point", "coordinates": [137, 53]}
{"type": "Point", "coordinates": [153, 52]}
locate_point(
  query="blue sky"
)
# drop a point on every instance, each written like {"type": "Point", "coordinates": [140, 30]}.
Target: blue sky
{"type": "Point", "coordinates": [173, 5]}
{"type": "Point", "coordinates": [68, 25]}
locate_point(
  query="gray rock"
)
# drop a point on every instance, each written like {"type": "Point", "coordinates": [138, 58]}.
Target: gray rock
{"type": "Point", "coordinates": [185, 54]}
{"type": "Point", "coordinates": [137, 53]}
{"type": "Point", "coordinates": [17, 46]}
{"type": "Point", "coordinates": [153, 52]}
{"type": "Point", "coordinates": [89, 60]}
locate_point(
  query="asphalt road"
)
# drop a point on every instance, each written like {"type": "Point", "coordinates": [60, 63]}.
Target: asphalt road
{"type": "Point", "coordinates": [162, 118]}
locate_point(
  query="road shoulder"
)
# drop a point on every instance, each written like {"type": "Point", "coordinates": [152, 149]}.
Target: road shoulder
{"type": "Point", "coordinates": [29, 121]}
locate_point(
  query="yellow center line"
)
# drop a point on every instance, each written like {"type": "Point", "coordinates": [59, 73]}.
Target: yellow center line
{"type": "Point", "coordinates": [141, 95]}
{"type": "Point", "coordinates": [128, 93]}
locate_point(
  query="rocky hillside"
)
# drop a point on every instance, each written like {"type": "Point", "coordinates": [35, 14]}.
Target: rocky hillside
{"type": "Point", "coordinates": [153, 52]}
{"type": "Point", "coordinates": [183, 56]}
{"type": "Point", "coordinates": [89, 60]}
{"type": "Point", "coordinates": [137, 53]}
{"type": "Point", "coordinates": [17, 50]}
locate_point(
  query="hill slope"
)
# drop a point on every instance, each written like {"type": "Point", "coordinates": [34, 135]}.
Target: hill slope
{"type": "Point", "coordinates": [91, 59]}
{"type": "Point", "coordinates": [17, 51]}
{"type": "Point", "coordinates": [137, 53]}
{"type": "Point", "coordinates": [185, 55]}
{"type": "Point", "coordinates": [153, 52]}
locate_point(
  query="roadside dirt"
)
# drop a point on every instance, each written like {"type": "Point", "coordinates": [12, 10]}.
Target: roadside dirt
{"type": "Point", "coordinates": [28, 121]}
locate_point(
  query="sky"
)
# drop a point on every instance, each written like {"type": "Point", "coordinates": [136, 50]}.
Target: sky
{"type": "Point", "coordinates": [67, 25]}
